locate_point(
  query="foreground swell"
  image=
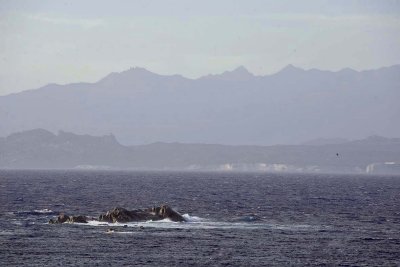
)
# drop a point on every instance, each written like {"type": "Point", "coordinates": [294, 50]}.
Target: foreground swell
{"type": "Point", "coordinates": [235, 219]}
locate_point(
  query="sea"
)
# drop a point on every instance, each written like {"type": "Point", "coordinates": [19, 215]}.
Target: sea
{"type": "Point", "coordinates": [233, 219]}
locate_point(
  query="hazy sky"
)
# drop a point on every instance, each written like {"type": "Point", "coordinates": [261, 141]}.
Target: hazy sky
{"type": "Point", "coordinates": [70, 41]}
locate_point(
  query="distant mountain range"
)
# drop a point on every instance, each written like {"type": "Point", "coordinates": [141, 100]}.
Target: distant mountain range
{"type": "Point", "coordinates": [235, 107]}
{"type": "Point", "coordinates": [41, 149]}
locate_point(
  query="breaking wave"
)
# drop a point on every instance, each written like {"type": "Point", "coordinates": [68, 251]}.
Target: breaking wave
{"type": "Point", "coordinates": [36, 212]}
{"type": "Point", "coordinates": [195, 222]}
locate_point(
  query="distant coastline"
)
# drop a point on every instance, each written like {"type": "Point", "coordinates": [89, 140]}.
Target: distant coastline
{"type": "Point", "coordinates": [41, 149]}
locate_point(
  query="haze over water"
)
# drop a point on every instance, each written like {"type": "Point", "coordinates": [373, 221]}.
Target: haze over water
{"type": "Point", "coordinates": [181, 95]}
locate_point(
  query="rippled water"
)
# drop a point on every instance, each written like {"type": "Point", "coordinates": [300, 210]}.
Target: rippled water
{"type": "Point", "coordinates": [242, 219]}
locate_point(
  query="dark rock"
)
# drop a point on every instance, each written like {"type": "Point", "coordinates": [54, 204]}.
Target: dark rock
{"type": "Point", "coordinates": [62, 218]}
{"type": "Point", "coordinates": [122, 215]}
{"type": "Point", "coordinates": [77, 219]}
{"type": "Point", "coordinates": [166, 212]}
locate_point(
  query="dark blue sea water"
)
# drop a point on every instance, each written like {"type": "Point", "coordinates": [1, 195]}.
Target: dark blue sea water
{"type": "Point", "coordinates": [235, 219]}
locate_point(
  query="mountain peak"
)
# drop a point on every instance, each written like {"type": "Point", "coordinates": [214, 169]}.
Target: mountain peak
{"type": "Point", "coordinates": [241, 69]}
{"type": "Point", "coordinates": [291, 68]}
{"type": "Point", "coordinates": [130, 75]}
{"type": "Point", "coordinates": [137, 70]}
{"type": "Point", "coordinates": [238, 74]}
{"type": "Point", "coordinates": [289, 71]}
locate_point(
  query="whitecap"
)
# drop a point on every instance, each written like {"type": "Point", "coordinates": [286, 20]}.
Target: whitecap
{"type": "Point", "coordinates": [195, 222]}
{"type": "Point", "coordinates": [43, 211]}
{"type": "Point", "coordinates": [189, 218]}
{"type": "Point", "coordinates": [121, 232]}
{"type": "Point", "coordinates": [6, 233]}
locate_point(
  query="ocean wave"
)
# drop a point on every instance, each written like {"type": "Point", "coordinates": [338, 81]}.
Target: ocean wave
{"type": "Point", "coordinates": [189, 218]}
{"type": "Point", "coordinates": [195, 222]}
{"type": "Point", "coordinates": [43, 211]}
{"type": "Point", "coordinates": [35, 212]}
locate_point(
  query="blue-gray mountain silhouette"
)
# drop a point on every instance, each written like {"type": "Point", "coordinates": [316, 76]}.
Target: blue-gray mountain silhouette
{"type": "Point", "coordinates": [235, 107]}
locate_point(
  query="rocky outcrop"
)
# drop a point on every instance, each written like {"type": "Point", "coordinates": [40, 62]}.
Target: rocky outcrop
{"type": "Point", "coordinates": [122, 215]}
{"type": "Point", "coordinates": [166, 212]}
{"type": "Point", "coordinates": [62, 218]}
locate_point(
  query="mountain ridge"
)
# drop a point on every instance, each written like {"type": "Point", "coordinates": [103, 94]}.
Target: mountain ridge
{"type": "Point", "coordinates": [289, 107]}
{"type": "Point", "coordinates": [289, 67]}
